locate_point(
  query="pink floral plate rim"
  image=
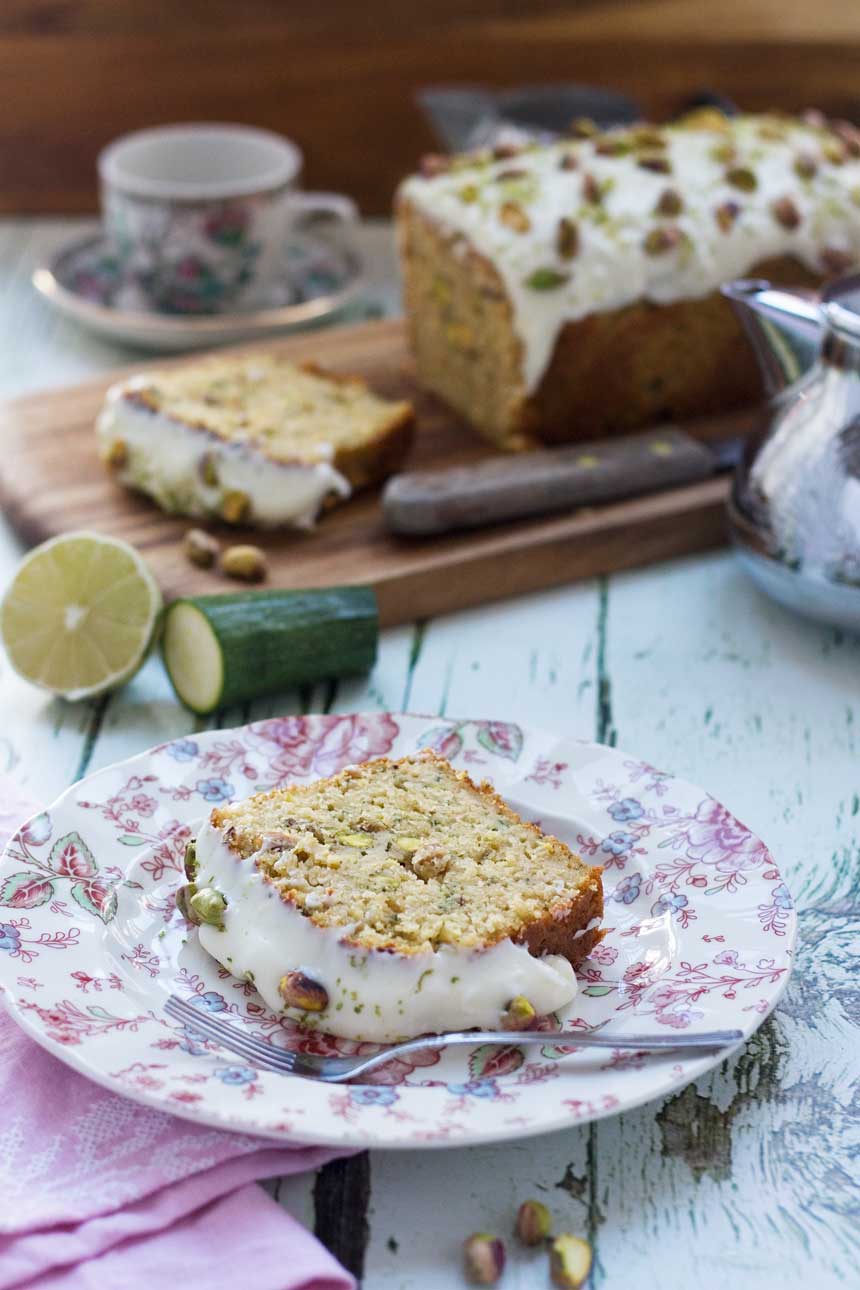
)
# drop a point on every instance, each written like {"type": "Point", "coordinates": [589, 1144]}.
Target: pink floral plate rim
{"type": "Point", "coordinates": [701, 928]}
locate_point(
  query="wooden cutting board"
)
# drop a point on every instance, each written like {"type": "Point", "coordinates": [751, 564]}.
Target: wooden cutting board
{"type": "Point", "coordinates": [51, 481]}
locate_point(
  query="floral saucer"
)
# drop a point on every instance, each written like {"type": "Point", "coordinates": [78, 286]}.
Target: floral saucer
{"type": "Point", "coordinates": [700, 930]}
{"type": "Point", "coordinates": [84, 281]}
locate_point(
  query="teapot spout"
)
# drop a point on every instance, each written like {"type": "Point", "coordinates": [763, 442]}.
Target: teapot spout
{"type": "Point", "coordinates": [784, 326]}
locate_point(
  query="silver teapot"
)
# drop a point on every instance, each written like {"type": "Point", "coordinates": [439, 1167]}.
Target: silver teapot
{"type": "Point", "coordinates": [794, 511]}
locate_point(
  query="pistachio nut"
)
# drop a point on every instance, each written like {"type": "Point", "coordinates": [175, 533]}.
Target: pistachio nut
{"type": "Point", "coordinates": [354, 839]}
{"type": "Point", "coordinates": [661, 240]}
{"type": "Point", "coordinates": [300, 991]}
{"type": "Point", "coordinates": [670, 202]}
{"type": "Point", "coordinates": [569, 1261]}
{"type": "Point", "coordinates": [208, 468]}
{"type": "Point", "coordinates": [654, 161]}
{"type": "Point", "coordinates": [200, 548]}
{"type": "Point", "coordinates": [483, 1258]}
{"type": "Point", "coordinates": [726, 214]}
{"type": "Point", "coordinates": [743, 178]}
{"type": "Point", "coordinates": [592, 192]}
{"type": "Point", "coordinates": [546, 279]}
{"type": "Point", "coordinates": [805, 165]}
{"type": "Point", "coordinates": [785, 212]}
{"type": "Point", "coordinates": [534, 1222]}
{"type": "Point", "coordinates": [209, 905]}
{"type": "Point", "coordinates": [117, 454]}
{"type": "Point", "coordinates": [235, 506]}
{"type": "Point", "coordinates": [833, 150]}
{"type": "Point", "coordinates": [567, 238]}
{"type": "Point", "coordinates": [519, 1014]}
{"type": "Point", "coordinates": [247, 563]}
{"type": "Point", "coordinates": [513, 216]}
{"type": "Point", "coordinates": [183, 904]}
{"type": "Point", "coordinates": [190, 862]}
{"type": "Point", "coordinates": [568, 162]}
{"type": "Point", "coordinates": [408, 844]}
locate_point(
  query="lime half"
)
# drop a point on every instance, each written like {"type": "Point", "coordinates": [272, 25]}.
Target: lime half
{"type": "Point", "coordinates": [80, 615]}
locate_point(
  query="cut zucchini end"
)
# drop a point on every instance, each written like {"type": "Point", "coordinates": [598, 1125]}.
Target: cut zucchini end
{"type": "Point", "coordinates": [193, 658]}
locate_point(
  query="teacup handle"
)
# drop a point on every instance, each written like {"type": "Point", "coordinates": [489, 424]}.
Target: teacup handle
{"type": "Point", "coordinates": [304, 208]}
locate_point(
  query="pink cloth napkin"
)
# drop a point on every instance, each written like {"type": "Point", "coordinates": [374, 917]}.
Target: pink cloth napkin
{"type": "Point", "coordinates": [99, 1193]}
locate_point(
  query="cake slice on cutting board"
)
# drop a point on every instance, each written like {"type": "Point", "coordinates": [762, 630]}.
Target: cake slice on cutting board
{"type": "Point", "coordinates": [252, 439]}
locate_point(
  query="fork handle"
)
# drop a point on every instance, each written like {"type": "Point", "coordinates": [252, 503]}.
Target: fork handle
{"type": "Point", "coordinates": [348, 1068]}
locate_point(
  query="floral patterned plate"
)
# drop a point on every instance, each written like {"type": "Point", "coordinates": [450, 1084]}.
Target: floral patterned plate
{"type": "Point", "coordinates": [85, 282]}
{"type": "Point", "coordinates": [700, 934]}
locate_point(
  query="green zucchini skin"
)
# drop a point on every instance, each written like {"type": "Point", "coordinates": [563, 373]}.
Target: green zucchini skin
{"type": "Point", "coordinates": [272, 640]}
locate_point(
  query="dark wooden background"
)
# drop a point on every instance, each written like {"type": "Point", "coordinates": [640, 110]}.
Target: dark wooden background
{"type": "Point", "coordinates": [340, 75]}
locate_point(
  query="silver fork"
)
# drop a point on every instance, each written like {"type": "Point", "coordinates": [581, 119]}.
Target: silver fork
{"type": "Point", "coordinates": [336, 1070]}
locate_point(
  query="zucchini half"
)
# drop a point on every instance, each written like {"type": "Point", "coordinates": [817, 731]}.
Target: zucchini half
{"type": "Point", "coordinates": [233, 648]}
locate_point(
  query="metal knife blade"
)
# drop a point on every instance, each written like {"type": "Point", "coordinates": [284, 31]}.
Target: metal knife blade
{"type": "Point", "coordinates": [422, 503]}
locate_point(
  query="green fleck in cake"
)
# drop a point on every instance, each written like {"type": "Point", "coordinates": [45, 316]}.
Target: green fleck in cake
{"type": "Point", "coordinates": [393, 899]}
{"type": "Point", "coordinates": [251, 439]}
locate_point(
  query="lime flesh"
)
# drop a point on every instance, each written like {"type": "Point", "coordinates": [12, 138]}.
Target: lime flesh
{"type": "Point", "coordinates": [80, 614]}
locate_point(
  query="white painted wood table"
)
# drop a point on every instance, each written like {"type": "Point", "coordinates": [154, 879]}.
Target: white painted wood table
{"type": "Point", "coordinates": [745, 1179]}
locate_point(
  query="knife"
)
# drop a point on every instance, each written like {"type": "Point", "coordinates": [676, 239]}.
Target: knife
{"type": "Point", "coordinates": [425, 502]}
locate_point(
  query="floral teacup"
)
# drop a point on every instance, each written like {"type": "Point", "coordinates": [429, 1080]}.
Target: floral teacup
{"type": "Point", "coordinates": [198, 215]}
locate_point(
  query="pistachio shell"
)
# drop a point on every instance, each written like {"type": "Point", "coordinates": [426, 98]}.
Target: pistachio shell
{"type": "Point", "coordinates": [302, 992]}
{"type": "Point", "coordinates": [569, 1261]}
{"type": "Point", "coordinates": [200, 548]}
{"type": "Point", "coordinates": [247, 563]}
{"type": "Point", "coordinates": [483, 1258]}
{"type": "Point", "coordinates": [534, 1222]}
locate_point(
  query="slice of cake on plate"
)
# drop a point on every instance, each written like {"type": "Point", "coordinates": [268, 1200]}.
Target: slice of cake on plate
{"type": "Point", "coordinates": [394, 899]}
{"type": "Point", "coordinates": [251, 439]}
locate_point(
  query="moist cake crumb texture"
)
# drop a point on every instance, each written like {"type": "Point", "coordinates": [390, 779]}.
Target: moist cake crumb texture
{"type": "Point", "coordinates": [410, 856]}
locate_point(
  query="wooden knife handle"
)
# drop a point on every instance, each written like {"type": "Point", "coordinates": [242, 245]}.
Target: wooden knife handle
{"type": "Point", "coordinates": [421, 503]}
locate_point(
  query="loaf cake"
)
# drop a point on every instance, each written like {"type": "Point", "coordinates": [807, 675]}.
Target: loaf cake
{"type": "Point", "coordinates": [394, 899]}
{"type": "Point", "coordinates": [568, 290]}
{"type": "Point", "coordinates": [251, 439]}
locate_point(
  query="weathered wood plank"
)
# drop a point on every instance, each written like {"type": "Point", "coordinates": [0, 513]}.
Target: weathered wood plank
{"type": "Point", "coordinates": [754, 1170]}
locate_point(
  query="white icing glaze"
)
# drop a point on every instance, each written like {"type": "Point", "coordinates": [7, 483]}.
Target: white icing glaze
{"type": "Point", "coordinates": [374, 995]}
{"type": "Point", "coordinates": [611, 268]}
{"type": "Point", "coordinates": [165, 458]}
